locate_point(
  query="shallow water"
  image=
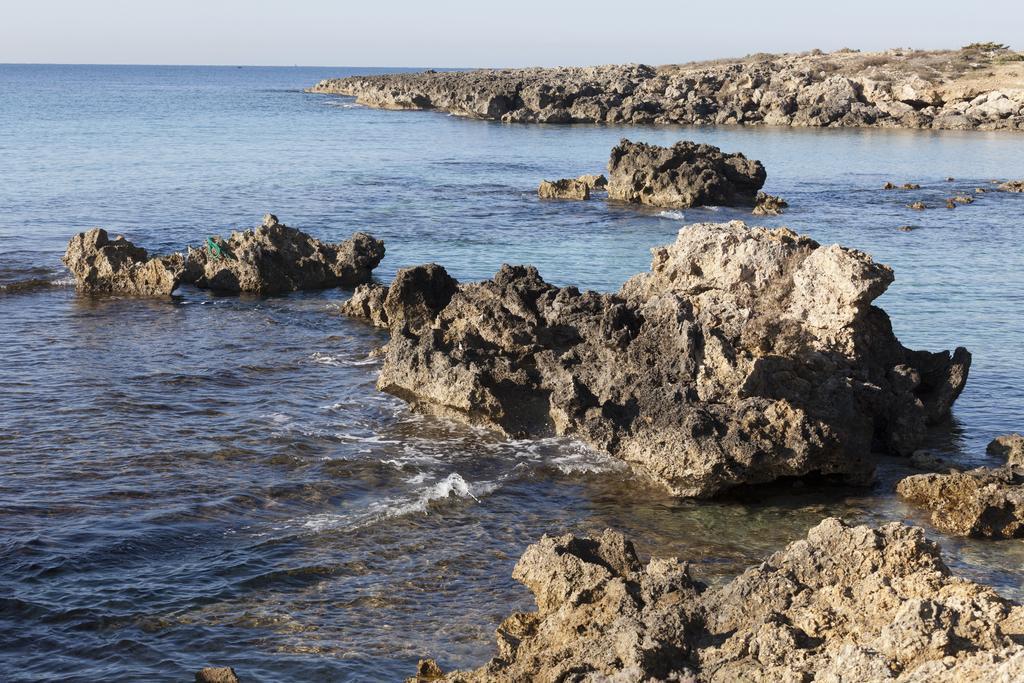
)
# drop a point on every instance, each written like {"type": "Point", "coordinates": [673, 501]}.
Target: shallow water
{"type": "Point", "coordinates": [215, 480]}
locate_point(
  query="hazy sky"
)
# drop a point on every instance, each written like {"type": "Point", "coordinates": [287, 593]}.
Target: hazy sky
{"type": "Point", "coordinates": [481, 33]}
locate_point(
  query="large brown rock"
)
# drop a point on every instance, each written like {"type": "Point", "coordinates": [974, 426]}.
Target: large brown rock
{"type": "Point", "coordinates": [272, 259]}
{"type": "Point", "coordinates": [745, 355]}
{"type": "Point", "coordinates": [104, 266]}
{"type": "Point", "coordinates": [844, 604]}
{"type": "Point", "coordinates": [985, 502]}
{"type": "Point", "coordinates": [216, 674]}
{"type": "Point", "coordinates": [683, 175]}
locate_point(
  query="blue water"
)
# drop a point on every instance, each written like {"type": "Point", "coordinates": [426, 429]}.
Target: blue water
{"type": "Point", "coordinates": [211, 480]}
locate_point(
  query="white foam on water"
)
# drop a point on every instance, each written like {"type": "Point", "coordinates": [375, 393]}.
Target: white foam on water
{"type": "Point", "coordinates": [673, 215]}
{"type": "Point", "coordinates": [452, 486]}
{"type": "Point", "coordinates": [340, 360]}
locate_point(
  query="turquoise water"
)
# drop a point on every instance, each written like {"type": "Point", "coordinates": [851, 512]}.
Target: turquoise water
{"type": "Point", "coordinates": [215, 480]}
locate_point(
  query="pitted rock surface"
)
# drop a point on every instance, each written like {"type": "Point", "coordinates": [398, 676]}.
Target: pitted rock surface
{"type": "Point", "coordinates": [844, 604]}
{"type": "Point", "coordinates": [745, 355]}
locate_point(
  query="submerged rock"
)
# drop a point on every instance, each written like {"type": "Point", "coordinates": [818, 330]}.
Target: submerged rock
{"type": "Point", "coordinates": [844, 604]}
{"type": "Point", "coordinates": [920, 206]}
{"type": "Point", "coordinates": [985, 501]}
{"type": "Point", "coordinates": [566, 188]}
{"type": "Point", "coordinates": [681, 176]}
{"type": "Point", "coordinates": [768, 205]}
{"type": "Point", "coordinates": [104, 266]}
{"type": "Point", "coordinates": [272, 259]}
{"type": "Point", "coordinates": [744, 355]}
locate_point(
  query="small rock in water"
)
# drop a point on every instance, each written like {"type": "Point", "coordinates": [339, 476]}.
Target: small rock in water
{"type": "Point", "coordinates": [910, 186]}
{"type": "Point", "coordinates": [426, 670]}
{"type": "Point", "coordinates": [907, 228]}
{"type": "Point", "coordinates": [917, 205]}
{"type": "Point", "coordinates": [768, 205]}
{"type": "Point", "coordinates": [594, 181]}
{"type": "Point", "coordinates": [983, 502]}
{"type": "Point", "coordinates": [963, 199]}
{"type": "Point", "coordinates": [950, 179]}
{"type": "Point", "coordinates": [950, 204]}
{"type": "Point", "coordinates": [888, 186]}
{"type": "Point", "coordinates": [1009, 446]}
{"type": "Point", "coordinates": [681, 176]}
{"type": "Point", "coordinates": [216, 674]}
{"type": "Point", "coordinates": [1012, 186]}
{"type": "Point", "coordinates": [566, 188]}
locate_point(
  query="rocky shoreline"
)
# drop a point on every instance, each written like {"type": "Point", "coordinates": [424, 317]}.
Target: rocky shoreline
{"type": "Point", "coordinates": [979, 87]}
{"type": "Point", "coordinates": [844, 604]}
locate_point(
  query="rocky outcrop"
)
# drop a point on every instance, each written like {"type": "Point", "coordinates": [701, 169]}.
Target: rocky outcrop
{"type": "Point", "coordinates": [1008, 446]}
{"type": "Point", "coordinates": [844, 604]}
{"type": "Point", "coordinates": [104, 266]}
{"type": "Point", "coordinates": [566, 188]}
{"type": "Point", "coordinates": [768, 205]}
{"type": "Point", "coordinates": [271, 259]}
{"type": "Point", "coordinates": [986, 502]}
{"type": "Point", "coordinates": [683, 175]}
{"type": "Point", "coordinates": [745, 355]}
{"type": "Point", "coordinates": [594, 181]}
{"type": "Point", "coordinates": [973, 88]}
{"type": "Point", "coordinates": [275, 259]}
{"type": "Point", "coordinates": [1012, 186]}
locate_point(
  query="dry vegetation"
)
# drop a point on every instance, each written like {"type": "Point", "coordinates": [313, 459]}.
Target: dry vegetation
{"type": "Point", "coordinates": [974, 61]}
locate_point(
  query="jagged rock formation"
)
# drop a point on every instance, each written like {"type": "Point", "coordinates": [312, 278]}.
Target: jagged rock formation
{"type": "Point", "coordinates": [1012, 186]}
{"type": "Point", "coordinates": [768, 205]}
{"type": "Point", "coordinates": [104, 266]}
{"type": "Point", "coordinates": [566, 188]}
{"type": "Point", "coordinates": [272, 259]}
{"type": "Point", "coordinates": [985, 501]}
{"type": "Point", "coordinates": [683, 175]}
{"type": "Point", "coordinates": [744, 355]}
{"type": "Point", "coordinates": [978, 87]}
{"type": "Point", "coordinates": [845, 604]}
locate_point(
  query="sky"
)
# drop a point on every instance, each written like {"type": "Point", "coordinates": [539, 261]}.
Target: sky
{"type": "Point", "coordinates": [448, 33]}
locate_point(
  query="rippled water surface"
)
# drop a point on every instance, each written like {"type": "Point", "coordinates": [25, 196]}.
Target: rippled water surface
{"type": "Point", "coordinates": [213, 480]}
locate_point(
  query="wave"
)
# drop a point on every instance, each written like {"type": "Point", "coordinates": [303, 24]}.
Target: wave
{"type": "Point", "coordinates": [339, 360]}
{"type": "Point", "coordinates": [672, 215]}
{"type": "Point", "coordinates": [452, 486]}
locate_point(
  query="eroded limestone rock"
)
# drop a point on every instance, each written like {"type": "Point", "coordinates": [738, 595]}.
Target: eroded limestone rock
{"type": "Point", "coordinates": [594, 181]}
{"type": "Point", "coordinates": [272, 259]}
{"type": "Point", "coordinates": [986, 502]}
{"type": "Point", "coordinates": [844, 604]}
{"type": "Point", "coordinates": [104, 266]}
{"type": "Point", "coordinates": [1008, 446]}
{"type": "Point", "coordinates": [744, 355]}
{"type": "Point", "coordinates": [768, 205]}
{"type": "Point", "coordinates": [216, 674]}
{"type": "Point", "coordinates": [683, 175]}
{"type": "Point", "coordinates": [566, 188]}
{"type": "Point", "coordinates": [964, 89]}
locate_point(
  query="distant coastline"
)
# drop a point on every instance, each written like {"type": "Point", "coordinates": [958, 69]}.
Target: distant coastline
{"type": "Point", "coordinates": [978, 87]}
